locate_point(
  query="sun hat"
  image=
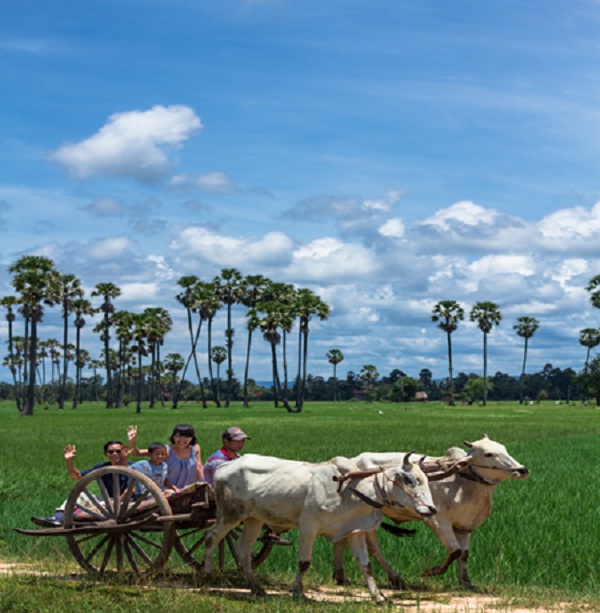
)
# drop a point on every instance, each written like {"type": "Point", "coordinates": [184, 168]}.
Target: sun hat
{"type": "Point", "coordinates": [235, 434]}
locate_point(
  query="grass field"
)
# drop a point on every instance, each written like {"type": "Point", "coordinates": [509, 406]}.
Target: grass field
{"type": "Point", "coordinates": [542, 541]}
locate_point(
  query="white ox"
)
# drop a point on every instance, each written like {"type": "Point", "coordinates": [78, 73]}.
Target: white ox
{"type": "Point", "coordinates": [463, 501]}
{"type": "Point", "coordinates": [286, 494]}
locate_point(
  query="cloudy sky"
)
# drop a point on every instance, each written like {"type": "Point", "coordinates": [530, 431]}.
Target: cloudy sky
{"type": "Point", "coordinates": [385, 154]}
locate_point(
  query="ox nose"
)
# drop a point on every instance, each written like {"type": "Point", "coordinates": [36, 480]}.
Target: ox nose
{"type": "Point", "coordinates": [523, 472]}
{"type": "Point", "coordinates": [428, 511]}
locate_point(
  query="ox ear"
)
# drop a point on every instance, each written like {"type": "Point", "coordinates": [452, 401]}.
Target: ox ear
{"type": "Point", "coordinates": [485, 436]}
{"type": "Point", "coordinates": [406, 465]}
{"type": "Point", "coordinates": [468, 444]}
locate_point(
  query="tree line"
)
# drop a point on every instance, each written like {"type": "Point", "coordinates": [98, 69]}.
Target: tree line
{"type": "Point", "coordinates": [133, 367]}
{"type": "Point", "coordinates": [129, 338]}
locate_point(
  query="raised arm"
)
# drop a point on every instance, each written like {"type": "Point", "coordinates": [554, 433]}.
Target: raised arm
{"type": "Point", "coordinates": [132, 439]}
{"type": "Point", "coordinates": [70, 452]}
{"type": "Point", "coordinates": [199, 472]}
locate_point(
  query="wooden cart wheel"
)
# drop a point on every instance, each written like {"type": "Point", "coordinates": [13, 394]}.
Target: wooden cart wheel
{"type": "Point", "coordinates": [133, 538]}
{"type": "Point", "coordinates": [189, 544]}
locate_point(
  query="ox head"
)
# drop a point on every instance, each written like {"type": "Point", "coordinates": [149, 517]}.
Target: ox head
{"type": "Point", "coordinates": [492, 462]}
{"type": "Point", "coordinates": [410, 488]}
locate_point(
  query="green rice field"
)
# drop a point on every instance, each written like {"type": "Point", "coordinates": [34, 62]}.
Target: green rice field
{"type": "Point", "coordinates": [540, 545]}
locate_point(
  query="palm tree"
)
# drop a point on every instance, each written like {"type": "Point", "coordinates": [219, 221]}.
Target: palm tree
{"type": "Point", "coordinates": [526, 328]}
{"type": "Point", "coordinates": [36, 279]}
{"type": "Point", "coordinates": [255, 286]}
{"type": "Point", "coordinates": [141, 325]}
{"type": "Point", "coordinates": [218, 355]}
{"type": "Point", "coordinates": [487, 315]}
{"type": "Point", "coordinates": [10, 303]}
{"type": "Point", "coordinates": [594, 288]}
{"type": "Point", "coordinates": [590, 338]}
{"type": "Point", "coordinates": [108, 291]}
{"type": "Point", "coordinates": [275, 316]}
{"type": "Point", "coordinates": [230, 289]}
{"type": "Point", "coordinates": [208, 305]}
{"type": "Point", "coordinates": [70, 290]}
{"type": "Point", "coordinates": [124, 325]}
{"type": "Point", "coordinates": [282, 294]}
{"type": "Point", "coordinates": [368, 377]}
{"type": "Point", "coordinates": [159, 325]}
{"type": "Point", "coordinates": [174, 363]}
{"type": "Point", "coordinates": [335, 356]}
{"type": "Point", "coordinates": [306, 304]}
{"type": "Point", "coordinates": [81, 307]}
{"type": "Point", "coordinates": [94, 365]}
{"type": "Point", "coordinates": [448, 313]}
{"type": "Point", "coordinates": [192, 286]}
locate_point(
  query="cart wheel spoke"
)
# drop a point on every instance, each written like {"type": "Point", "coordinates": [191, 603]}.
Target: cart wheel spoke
{"type": "Point", "coordinates": [141, 553]}
{"type": "Point", "coordinates": [114, 548]}
{"type": "Point", "coordinates": [107, 554]}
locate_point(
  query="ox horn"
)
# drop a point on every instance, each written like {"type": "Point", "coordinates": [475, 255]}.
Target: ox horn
{"type": "Point", "coordinates": [406, 465]}
{"type": "Point", "coordinates": [468, 444]}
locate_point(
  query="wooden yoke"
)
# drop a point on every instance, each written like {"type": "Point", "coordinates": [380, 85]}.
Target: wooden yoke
{"type": "Point", "coordinates": [356, 474]}
{"type": "Point", "coordinates": [454, 468]}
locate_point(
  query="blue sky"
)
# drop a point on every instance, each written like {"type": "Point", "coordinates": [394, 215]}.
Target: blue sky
{"type": "Point", "coordinates": [387, 155]}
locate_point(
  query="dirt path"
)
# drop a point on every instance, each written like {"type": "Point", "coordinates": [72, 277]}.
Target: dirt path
{"type": "Point", "coordinates": [408, 603]}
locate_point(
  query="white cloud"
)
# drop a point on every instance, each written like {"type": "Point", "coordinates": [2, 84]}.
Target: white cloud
{"type": "Point", "coordinates": [492, 265]}
{"type": "Point", "coordinates": [109, 248]}
{"type": "Point", "coordinates": [139, 292]}
{"type": "Point", "coordinates": [329, 258]}
{"type": "Point", "coordinates": [392, 228]}
{"type": "Point", "coordinates": [464, 213]}
{"type": "Point", "coordinates": [130, 144]}
{"type": "Point", "coordinates": [568, 225]}
{"type": "Point", "coordinates": [215, 182]}
{"type": "Point", "coordinates": [384, 204]}
{"type": "Point", "coordinates": [197, 242]}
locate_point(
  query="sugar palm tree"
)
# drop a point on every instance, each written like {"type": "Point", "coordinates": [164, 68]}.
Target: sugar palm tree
{"type": "Point", "coordinates": [487, 315]}
{"type": "Point", "coordinates": [368, 377]}
{"type": "Point", "coordinates": [190, 298]}
{"type": "Point", "coordinates": [275, 316]}
{"type": "Point", "coordinates": [174, 363]}
{"type": "Point", "coordinates": [36, 279]}
{"type": "Point", "coordinates": [218, 355]}
{"type": "Point", "coordinates": [230, 289]}
{"type": "Point", "coordinates": [335, 356]}
{"type": "Point", "coordinates": [69, 290]}
{"type": "Point", "coordinates": [254, 286]}
{"type": "Point", "coordinates": [590, 338]}
{"type": "Point", "coordinates": [526, 328]}
{"type": "Point", "coordinates": [208, 305]}
{"type": "Point", "coordinates": [306, 305]}
{"type": "Point", "coordinates": [108, 292]}
{"type": "Point", "coordinates": [141, 326]}
{"type": "Point", "coordinates": [81, 308]}
{"type": "Point", "coordinates": [159, 325]}
{"type": "Point", "coordinates": [10, 303]}
{"type": "Point", "coordinates": [447, 314]}
{"type": "Point", "coordinates": [284, 295]}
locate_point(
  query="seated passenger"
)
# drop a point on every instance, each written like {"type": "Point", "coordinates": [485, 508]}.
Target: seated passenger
{"type": "Point", "coordinates": [116, 454]}
{"type": "Point", "coordinates": [156, 469]}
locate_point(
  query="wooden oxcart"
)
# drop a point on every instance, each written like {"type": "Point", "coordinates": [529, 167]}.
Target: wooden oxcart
{"type": "Point", "coordinates": [129, 533]}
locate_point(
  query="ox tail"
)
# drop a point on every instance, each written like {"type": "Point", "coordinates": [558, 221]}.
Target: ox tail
{"type": "Point", "coordinates": [397, 531]}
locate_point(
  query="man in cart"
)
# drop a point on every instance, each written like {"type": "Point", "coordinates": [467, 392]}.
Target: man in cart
{"type": "Point", "coordinates": [116, 454]}
{"type": "Point", "coordinates": [234, 439]}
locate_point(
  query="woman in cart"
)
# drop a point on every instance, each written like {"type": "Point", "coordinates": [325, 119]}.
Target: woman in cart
{"type": "Point", "coordinates": [184, 462]}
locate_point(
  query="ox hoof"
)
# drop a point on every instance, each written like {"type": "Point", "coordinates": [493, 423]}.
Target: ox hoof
{"type": "Point", "coordinates": [467, 585]}
{"type": "Point", "coordinates": [381, 600]}
{"type": "Point", "coordinates": [341, 580]}
{"type": "Point", "coordinates": [258, 592]}
{"type": "Point", "coordinates": [398, 583]}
